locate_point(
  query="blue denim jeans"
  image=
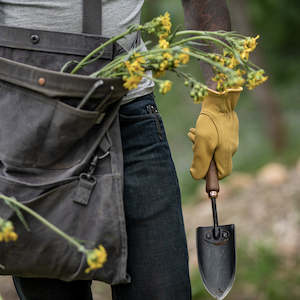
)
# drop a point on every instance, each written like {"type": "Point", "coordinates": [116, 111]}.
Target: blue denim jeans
{"type": "Point", "coordinates": [157, 250]}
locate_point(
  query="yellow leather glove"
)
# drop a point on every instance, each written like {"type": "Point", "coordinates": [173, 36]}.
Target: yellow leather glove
{"type": "Point", "coordinates": [216, 134]}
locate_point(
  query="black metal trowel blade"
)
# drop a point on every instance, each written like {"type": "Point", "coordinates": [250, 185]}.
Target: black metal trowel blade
{"type": "Point", "coordinates": [216, 246]}
{"type": "Point", "coordinates": [217, 259]}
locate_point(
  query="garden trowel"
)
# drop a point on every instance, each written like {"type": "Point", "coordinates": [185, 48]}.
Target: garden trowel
{"type": "Point", "coordinates": [216, 246]}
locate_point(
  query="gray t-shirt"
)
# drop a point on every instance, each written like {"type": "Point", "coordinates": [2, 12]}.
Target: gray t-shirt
{"type": "Point", "coordinates": [58, 15]}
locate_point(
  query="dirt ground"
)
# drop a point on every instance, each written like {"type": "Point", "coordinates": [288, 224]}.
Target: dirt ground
{"type": "Point", "coordinates": [264, 207]}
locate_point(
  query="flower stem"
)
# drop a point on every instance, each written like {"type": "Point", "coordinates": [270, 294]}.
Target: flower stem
{"type": "Point", "coordinates": [80, 247]}
{"type": "Point", "coordinates": [204, 38]}
{"type": "Point", "coordinates": [198, 32]}
{"type": "Point", "coordinates": [102, 46]}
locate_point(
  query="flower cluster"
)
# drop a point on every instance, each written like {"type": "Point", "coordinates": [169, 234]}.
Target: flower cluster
{"type": "Point", "coordinates": [198, 90]}
{"type": "Point", "coordinates": [249, 45]}
{"type": "Point", "coordinates": [135, 71]}
{"type": "Point", "coordinates": [7, 233]}
{"type": "Point", "coordinates": [169, 60]}
{"type": "Point", "coordinates": [232, 67]}
{"type": "Point", "coordinates": [96, 258]}
{"type": "Point", "coordinates": [256, 78]}
{"type": "Point", "coordinates": [161, 26]}
{"type": "Point", "coordinates": [232, 71]}
{"type": "Point", "coordinates": [165, 86]}
{"type": "Point", "coordinates": [165, 59]}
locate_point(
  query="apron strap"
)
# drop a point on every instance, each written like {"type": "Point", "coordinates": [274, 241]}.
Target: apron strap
{"type": "Point", "coordinates": [92, 16]}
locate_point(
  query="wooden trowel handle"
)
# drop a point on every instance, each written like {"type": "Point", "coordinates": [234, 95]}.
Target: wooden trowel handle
{"type": "Point", "coordinates": [212, 182]}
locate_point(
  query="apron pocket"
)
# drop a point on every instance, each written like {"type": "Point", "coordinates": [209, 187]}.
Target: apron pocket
{"type": "Point", "coordinates": [100, 221]}
{"type": "Point", "coordinates": [45, 129]}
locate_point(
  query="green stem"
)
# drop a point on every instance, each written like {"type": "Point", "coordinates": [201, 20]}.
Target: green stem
{"type": "Point", "coordinates": [199, 32]}
{"type": "Point", "coordinates": [116, 74]}
{"type": "Point", "coordinates": [146, 76]}
{"type": "Point", "coordinates": [80, 247]}
{"type": "Point", "coordinates": [102, 46]}
{"type": "Point", "coordinates": [189, 77]}
{"type": "Point", "coordinates": [209, 61]}
{"type": "Point", "coordinates": [209, 33]}
{"type": "Point", "coordinates": [205, 38]}
{"type": "Point", "coordinates": [110, 66]}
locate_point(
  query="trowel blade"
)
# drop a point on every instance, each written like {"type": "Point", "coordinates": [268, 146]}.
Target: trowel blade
{"type": "Point", "coordinates": [217, 259]}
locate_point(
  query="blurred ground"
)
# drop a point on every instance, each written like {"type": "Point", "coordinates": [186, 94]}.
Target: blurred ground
{"type": "Point", "coordinates": [265, 208]}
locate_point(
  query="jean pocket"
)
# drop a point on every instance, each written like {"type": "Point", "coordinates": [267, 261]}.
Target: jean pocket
{"type": "Point", "coordinates": [137, 109]}
{"type": "Point", "coordinates": [153, 111]}
{"type": "Point", "coordinates": [143, 115]}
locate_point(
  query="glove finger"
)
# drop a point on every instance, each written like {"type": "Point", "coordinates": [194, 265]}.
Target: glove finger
{"type": "Point", "coordinates": [223, 159]}
{"type": "Point", "coordinates": [205, 144]}
{"type": "Point", "coordinates": [192, 136]}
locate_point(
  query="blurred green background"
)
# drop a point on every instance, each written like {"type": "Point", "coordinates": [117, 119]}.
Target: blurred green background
{"type": "Point", "coordinates": [269, 132]}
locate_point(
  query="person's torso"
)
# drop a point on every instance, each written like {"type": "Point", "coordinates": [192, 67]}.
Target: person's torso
{"type": "Point", "coordinates": [58, 15]}
{"type": "Point", "coordinates": [66, 16]}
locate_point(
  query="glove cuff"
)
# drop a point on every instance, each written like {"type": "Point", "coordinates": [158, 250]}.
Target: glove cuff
{"type": "Point", "coordinates": [232, 90]}
{"type": "Point", "coordinates": [222, 102]}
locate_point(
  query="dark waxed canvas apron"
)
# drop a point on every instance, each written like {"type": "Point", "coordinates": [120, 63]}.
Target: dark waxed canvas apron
{"type": "Point", "coordinates": [62, 161]}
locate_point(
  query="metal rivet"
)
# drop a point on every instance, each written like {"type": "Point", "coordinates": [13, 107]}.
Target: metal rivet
{"type": "Point", "coordinates": [213, 194]}
{"type": "Point", "coordinates": [208, 236]}
{"type": "Point", "coordinates": [42, 81]}
{"type": "Point", "coordinates": [225, 234]}
{"type": "Point", "coordinates": [34, 39]}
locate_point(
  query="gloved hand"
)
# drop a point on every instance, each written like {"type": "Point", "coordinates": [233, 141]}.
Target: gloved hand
{"type": "Point", "coordinates": [216, 134]}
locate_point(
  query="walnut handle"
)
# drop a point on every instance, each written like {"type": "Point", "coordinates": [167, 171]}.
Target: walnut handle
{"type": "Point", "coordinates": [212, 182]}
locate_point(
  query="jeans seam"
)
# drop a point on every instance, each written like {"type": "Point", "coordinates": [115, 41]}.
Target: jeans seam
{"type": "Point", "coordinates": [153, 111]}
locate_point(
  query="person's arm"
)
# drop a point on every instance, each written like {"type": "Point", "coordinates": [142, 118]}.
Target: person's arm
{"type": "Point", "coordinates": [215, 135]}
{"type": "Point", "coordinates": [208, 15]}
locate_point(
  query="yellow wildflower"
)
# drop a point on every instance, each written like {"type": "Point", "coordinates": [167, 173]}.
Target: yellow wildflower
{"type": "Point", "coordinates": [198, 93]}
{"type": "Point", "coordinates": [255, 78]}
{"type": "Point", "coordinates": [165, 86]}
{"type": "Point", "coordinates": [164, 65]}
{"type": "Point", "coordinates": [244, 55]}
{"type": "Point", "coordinates": [236, 81]}
{"type": "Point", "coordinates": [221, 79]}
{"type": "Point", "coordinates": [218, 58]}
{"type": "Point", "coordinates": [184, 57]}
{"type": "Point", "coordinates": [168, 56]}
{"type": "Point", "coordinates": [250, 43]}
{"type": "Point", "coordinates": [96, 258]}
{"type": "Point", "coordinates": [240, 81]}
{"type": "Point", "coordinates": [233, 62]}
{"type": "Point", "coordinates": [220, 86]}
{"type": "Point", "coordinates": [166, 22]}
{"type": "Point", "coordinates": [139, 58]}
{"type": "Point", "coordinates": [164, 44]}
{"type": "Point", "coordinates": [159, 74]}
{"type": "Point", "coordinates": [128, 66]}
{"type": "Point", "coordinates": [134, 67]}
{"type": "Point", "coordinates": [163, 36]}
{"type": "Point", "coordinates": [240, 72]}
{"type": "Point", "coordinates": [176, 63]}
{"type": "Point", "coordinates": [227, 53]}
{"type": "Point", "coordinates": [131, 82]}
{"type": "Point", "coordinates": [7, 233]}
